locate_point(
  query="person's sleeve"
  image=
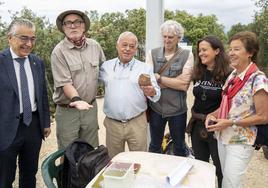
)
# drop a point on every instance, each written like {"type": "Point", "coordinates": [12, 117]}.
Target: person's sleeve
{"type": "Point", "coordinates": [102, 74]}
{"type": "Point", "coordinates": [182, 81]}
{"type": "Point", "coordinates": [186, 75]}
{"type": "Point", "coordinates": [155, 85]}
{"type": "Point", "coordinates": [45, 102]}
{"type": "Point", "coordinates": [149, 59]}
{"type": "Point", "coordinates": [102, 56]}
{"type": "Point", "coordinates": [260, 82]}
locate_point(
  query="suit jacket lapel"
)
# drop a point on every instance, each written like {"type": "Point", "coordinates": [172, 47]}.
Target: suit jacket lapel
{"type": "Point", "coordinates": [11, 71]}
{"type": "Point", "coordinates": [35, 73]}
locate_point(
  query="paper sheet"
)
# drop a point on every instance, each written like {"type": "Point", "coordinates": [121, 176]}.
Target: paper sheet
{"type": "Point", "coordinates": [179, 173]}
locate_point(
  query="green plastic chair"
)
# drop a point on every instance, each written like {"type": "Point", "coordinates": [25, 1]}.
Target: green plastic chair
{"type": "Point", "coordinates": [51, 171]}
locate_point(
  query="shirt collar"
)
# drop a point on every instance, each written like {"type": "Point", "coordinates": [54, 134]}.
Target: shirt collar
{"type": "Point", "coordinates": [242, 74]}
{"type": "Point", "coordinates": [131, 62]}
{"type": "Point", "coordinates": [14, 55]}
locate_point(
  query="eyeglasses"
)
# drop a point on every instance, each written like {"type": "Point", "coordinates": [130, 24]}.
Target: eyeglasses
{"type": "Point", "coordinates": [26, 39]}
{"type": "Point", "coordinates": [75, 23]}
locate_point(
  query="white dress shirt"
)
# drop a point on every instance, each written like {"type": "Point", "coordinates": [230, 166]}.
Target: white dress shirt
{"type": "Point", "coordinates": [30, 80]}
{"type": "Point", "coordinates": [124, 99]}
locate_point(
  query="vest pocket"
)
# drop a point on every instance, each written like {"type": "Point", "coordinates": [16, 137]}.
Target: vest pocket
{"type": "Point", "coordinates": [175, 70]}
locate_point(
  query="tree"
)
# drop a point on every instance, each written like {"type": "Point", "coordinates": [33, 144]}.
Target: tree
{"type": "Point", "coordinates": [260, 27]}
{"type": "Point", "coordinates": [106, 31]}
{"type": "Point", "coordinates": [197, 27]}
{"type": "Point", "coordinates": [3, 30]}
{"type": "Point", "coordinates": [237, 28]}
{"type": "Point", "coordinates": [262, 3]}
{"type": "Point", "coordinates": [107, 27]}
{"type": "Point", "coordinates": [136, 24]}
{"type": "Point", "coordinates": [47, 38]}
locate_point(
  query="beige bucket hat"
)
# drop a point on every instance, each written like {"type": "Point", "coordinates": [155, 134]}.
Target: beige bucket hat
{"type": "Point", "coordinates": [61, 17]}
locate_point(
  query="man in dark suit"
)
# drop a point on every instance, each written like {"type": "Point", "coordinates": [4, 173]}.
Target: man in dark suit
{"type": "Point", "coordinates": [24, 108]}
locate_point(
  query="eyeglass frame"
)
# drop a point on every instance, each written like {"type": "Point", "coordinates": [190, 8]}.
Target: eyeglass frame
{"type": "Point", "coordinates": [75, 23]}
{"type": "Point", "coordinates": [26, 39]}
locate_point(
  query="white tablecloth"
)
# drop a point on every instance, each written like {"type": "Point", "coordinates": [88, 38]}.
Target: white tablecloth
{"type": "Point", "coordinates": [155, 168]}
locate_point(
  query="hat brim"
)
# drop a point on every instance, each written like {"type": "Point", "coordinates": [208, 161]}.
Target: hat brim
{"type": "Point", "coordinates": [60, 18]}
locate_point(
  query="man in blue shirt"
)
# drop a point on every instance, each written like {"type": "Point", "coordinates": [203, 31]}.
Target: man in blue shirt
{"type": "Point", "coordinates": [125, 99]}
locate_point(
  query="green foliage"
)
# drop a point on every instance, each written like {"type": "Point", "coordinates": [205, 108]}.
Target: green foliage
{"type": "Point", "coordinates": [262, 3]}
{"type": "Point", "coordinates": [3, 30]}
{"type": "Point", "coordinates": [107, 27]}
{"type": "Point", "coordinates": [3, 37]}
{"type": "Point", "coordinates": [237, 28]}
{"type": "Point", "coordinates": [197, 27]}
{"type": "Point", "coordinates": [136, 24]}
{"type": "Point", "coordinates": [106, 31]}
{"type": "Point", "coordinates": [260, 27]}
{"type": "Point", "coordinates": [47, 37]}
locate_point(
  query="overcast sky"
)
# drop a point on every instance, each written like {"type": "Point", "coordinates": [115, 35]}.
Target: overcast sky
{"type": "Point", "coordinates": [228, 12]}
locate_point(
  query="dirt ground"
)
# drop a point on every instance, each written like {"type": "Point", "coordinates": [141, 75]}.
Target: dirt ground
{"type": "Point", "coordinates": [256, 176]}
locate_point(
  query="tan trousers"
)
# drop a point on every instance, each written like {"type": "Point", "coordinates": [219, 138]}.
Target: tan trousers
{"type": "Point", "coordinates": [134, 132]}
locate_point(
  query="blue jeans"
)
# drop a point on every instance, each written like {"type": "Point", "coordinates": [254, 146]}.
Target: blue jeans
{"type": "Point", "coordinates": [176, 125]}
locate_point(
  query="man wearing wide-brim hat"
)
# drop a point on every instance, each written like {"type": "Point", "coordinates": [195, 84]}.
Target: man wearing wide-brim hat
{"type": "Point", "coordinates": [75, 67]}
{"type": "Point", "coordinates": [61, 17]}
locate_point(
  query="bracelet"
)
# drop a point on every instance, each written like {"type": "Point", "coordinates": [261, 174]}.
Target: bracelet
{"type": "Point", "coordinates": [209, 116]}
{"type": "Point", "coordinates": [76, 98]}
{"type": "Point", "coordinates": [234, 124]}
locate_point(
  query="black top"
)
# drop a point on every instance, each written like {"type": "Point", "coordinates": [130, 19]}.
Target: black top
{"type": "Point", "coordinates": [207, 94]}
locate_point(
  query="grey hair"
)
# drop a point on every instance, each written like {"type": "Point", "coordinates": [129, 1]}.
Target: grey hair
{"type": "Point", "coordinates": [127, 33]}
{"type": "Point", "coordinates": [172, 26]}
{"type": "Point", "coordinates": [19, 22]}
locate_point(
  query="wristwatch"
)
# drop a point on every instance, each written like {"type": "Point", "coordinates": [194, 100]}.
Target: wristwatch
{"type": "Point", "coordinates": [159, 80]}
{"type": "Point", "coordinates": [234, 126]}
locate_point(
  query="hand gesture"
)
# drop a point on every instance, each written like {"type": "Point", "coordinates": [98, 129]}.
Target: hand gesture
{"type": "Point", "coordinates": [148, 90]}
{"type": "Point", "coordinates": [81, 105]}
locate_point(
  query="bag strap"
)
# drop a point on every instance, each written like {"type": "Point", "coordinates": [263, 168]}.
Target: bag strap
{"type": "Point", "coordinates": [170, 62]}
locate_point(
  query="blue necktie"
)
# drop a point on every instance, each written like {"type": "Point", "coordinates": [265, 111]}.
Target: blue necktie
{"type": "Point", "coordinates": [26, 103]}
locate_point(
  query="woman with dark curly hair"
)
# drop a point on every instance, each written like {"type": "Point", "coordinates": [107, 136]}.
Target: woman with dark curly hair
{"type": "Point", "coordinates": [210, 73]}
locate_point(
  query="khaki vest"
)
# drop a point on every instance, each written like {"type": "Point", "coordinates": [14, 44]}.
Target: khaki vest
{"type": "Point", "coordinates": [172, 102]}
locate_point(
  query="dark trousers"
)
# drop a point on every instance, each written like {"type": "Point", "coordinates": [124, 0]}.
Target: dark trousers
{"type": "Point", "coordinates": [26, 147]}
{"type": "Point", "coordinates": [176, 125]}
{"type": "Point", "coordinates": [205, 147]}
